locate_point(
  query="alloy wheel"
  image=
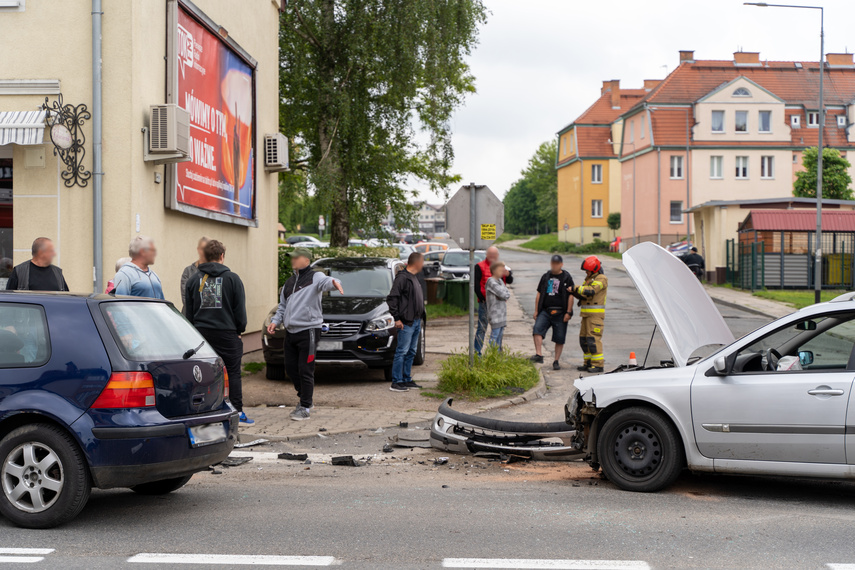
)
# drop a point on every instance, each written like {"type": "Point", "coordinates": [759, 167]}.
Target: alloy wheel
{"type": "Point", "coordinates": [32, 477]}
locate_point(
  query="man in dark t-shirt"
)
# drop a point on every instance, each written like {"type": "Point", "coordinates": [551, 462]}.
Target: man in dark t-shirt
{"type": "Point", "coordinates": [553, 309]}
{"type": "Point", "coordinates": [38, 273]}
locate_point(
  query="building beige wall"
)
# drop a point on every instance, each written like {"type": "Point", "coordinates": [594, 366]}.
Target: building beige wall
{"type": "Point", "coordinates": [724, 100]}
{"type": "Point", "coordinates": [134, 76]}
{"type": "Point", "coordinates": [705, 188]}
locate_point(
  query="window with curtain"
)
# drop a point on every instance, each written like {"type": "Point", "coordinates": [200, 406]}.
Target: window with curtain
{"type": "Point", "coordinates": [716, 166]}
{"type": "Point", "coordinates": [765, 121]}
{"type": "Point", "coordinates": [718, 121]}
{"type": "Point", "coordinates": [741, 122]}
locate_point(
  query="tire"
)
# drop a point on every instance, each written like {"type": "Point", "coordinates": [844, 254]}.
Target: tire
{"type": "Point", "coordinates": [422, 350]}
{"type": "Point", "coordinates": [162, 487]}
{"type": "Point", "coordinates": [387, 373]}
{"type": "Point", "coordinates": [57, 485]}
{"type": "Point", "coordinates": [275, 372]}
{"type": "Point", "coordinates": [640, 450]}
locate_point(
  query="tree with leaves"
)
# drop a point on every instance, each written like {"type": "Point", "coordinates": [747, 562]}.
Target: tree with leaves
{"type": "Point", "coordinates": [359, 79]}
{"type": "Point", "coordinates": [836, 182]}
{"type": "Point", "coordinates": [613, 221]}
{"type": "Point", "coordinates": [531, 204]}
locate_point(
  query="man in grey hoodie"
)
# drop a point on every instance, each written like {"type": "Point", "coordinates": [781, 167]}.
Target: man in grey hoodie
{"type": "Point", "coordinates": [301, 314]}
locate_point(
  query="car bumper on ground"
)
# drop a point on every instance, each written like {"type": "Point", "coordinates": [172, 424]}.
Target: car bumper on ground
{"type": "Point", "coordinates": [463, 433]}
{"type": "Point", "coordinates": [132, 447]}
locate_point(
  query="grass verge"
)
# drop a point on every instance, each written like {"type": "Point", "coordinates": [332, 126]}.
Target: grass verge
{"type": "Point", "coordinates": [253, 367]}
{"type": "Point", "coordinates": [494, 374]}
{"type": "Point", "coordinates": [797, 298]}
{"type": "Point", "coordinates": [543, 242]}
{"type": "Point", "coordinates": [508, 237]}
{"type": "Point", "coordinates": [549, 243]}
{"type": "Point", "coordinates": [444, 310]}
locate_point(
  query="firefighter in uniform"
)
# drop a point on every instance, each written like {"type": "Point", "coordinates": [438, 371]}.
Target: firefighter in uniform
{"type": "Point", "coordinates": [592, 300]}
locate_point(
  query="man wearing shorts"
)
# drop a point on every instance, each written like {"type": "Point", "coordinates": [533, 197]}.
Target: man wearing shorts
{"type": "Point", "coordinates": [553, 309]}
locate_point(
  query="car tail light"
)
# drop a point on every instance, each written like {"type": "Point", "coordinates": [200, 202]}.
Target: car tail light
{"type": "Point", "coordinates": [226, 389]}
{"type": "Point", "coordinates": [127, 390]}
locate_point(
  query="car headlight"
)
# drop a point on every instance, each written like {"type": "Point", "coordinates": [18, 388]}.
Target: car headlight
{"type": "Point", "coordinates": [382, 323]}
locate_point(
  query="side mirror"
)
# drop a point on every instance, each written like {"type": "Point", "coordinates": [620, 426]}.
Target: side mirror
{"type": "Point", "coordinates": [720, 365]}
{"type": "Point", "coordinates": [805, 357]}
{"type": "Point", "coordinates": [806, 326]}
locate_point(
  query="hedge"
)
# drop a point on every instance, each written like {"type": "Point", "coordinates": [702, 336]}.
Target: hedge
{"type": "Point", "coordinates": [321, 252]}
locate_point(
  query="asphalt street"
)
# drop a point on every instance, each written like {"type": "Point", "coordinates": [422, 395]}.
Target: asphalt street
{"type": "Point", "coordinates": [403, 509]}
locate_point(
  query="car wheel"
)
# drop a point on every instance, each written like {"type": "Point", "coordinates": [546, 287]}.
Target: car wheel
{"type": "Point", "coordinates": [162, 487]}
{"type": "Point", "coordinates": [275, 372]}
{"type": "Point", "coordinates": [43, 476]}
{"type": "Point", "coordinates": [420, 353]}
{"type": "Point", "coordinates": [640, 450]}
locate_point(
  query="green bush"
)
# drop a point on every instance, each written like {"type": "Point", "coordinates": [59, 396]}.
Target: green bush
{"type": "Point", "coordinates": [596, 246]}
{"type": "Point", "coordinates": [321, 252]}
{"type": "Point", "coordinates": [494, 374]}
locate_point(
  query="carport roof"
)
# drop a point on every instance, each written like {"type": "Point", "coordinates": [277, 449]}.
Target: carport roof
{"type": "Point", "coordinates": [798, 221]}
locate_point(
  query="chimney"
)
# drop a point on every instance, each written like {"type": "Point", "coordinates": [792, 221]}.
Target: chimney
{"type": "Point", "coordinates": [746, 57]}
{"type": "Point", "coordinates": [607, 85]}
{"type": "Point", "coordinates": [687, 56]}
{"type": "Point", "coordinates": [839, 59]}
{"type": "Point", "coordinates": [651, 84]}
{"type": "Point", "coordinates": [615, 93]}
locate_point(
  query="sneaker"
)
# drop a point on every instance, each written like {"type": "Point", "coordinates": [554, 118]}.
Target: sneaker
{"type": "Point", "coordinates": [595, 370]}
{"type": "Point", "coordinates": [412, 384]}
{"type": "Point", "coordinates": [399, 387]}
{"type": "Point", "coordinates": [555, 365]}
{"type": "Point", "coordinates": [537, 359]}
{"type": "Point", "coordinates": [299, 414]}
{"type": "Point", "coordinates": [583, 368]}
{"type": "Point", "coordinates": [245, 420]}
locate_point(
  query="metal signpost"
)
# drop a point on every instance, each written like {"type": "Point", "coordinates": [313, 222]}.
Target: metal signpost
{"type": "Point", "coordinates": [483, 219]}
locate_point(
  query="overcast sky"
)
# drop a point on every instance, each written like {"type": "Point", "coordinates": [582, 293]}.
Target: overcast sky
{"type": "Point", "coordinates": [541, 63]}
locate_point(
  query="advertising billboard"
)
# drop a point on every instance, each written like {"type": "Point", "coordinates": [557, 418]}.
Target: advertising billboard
{"type": "Point", "coordinates": [213, 80]}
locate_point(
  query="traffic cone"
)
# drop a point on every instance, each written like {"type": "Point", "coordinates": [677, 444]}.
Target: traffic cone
{"type": "Point", "coordinates": [632, 360]}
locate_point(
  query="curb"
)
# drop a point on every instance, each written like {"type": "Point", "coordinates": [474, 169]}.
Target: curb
{"type": "Point", "coordinates": [745, 308]}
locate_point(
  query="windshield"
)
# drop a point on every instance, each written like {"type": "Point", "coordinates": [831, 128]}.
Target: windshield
{"type": "Point", "coordinates": [461, 258]}
{"type": "Point", "coordinates": [362, 281]}
{"type": "Point", "coordinates": [152, 331]}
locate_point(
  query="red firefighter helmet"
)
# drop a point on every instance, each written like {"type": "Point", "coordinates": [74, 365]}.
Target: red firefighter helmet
{"type": "Point", "coordinates": [592, 264]}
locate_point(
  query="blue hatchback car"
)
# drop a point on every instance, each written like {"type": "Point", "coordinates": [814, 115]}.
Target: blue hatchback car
{"type": "Point", "coordinates": [103, 391]}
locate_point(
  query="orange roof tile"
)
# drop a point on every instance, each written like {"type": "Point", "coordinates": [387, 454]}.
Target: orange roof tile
{"type": "Point", "coordinates": [602, 113]}
{"type": "Point", "coordinates": [594, 141]}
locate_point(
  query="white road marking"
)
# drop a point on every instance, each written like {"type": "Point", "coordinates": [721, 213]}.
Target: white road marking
{"type": "Point", "coordinates": [833, 566]}
{"type": "Point", "coordinates": [23, 555]}
{"type": "Point", "coordinates": [233, 559]}
{"type": "Point", "coordinates": [544, 564]}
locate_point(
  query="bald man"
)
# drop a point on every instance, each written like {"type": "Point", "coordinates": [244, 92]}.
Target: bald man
{"type": "Point", "coordinates": [482, 273]}
{"type": "Point", "coordinates": [38, 273]}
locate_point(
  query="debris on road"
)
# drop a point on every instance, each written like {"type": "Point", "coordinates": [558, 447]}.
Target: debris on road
{"type": "Point", "coordinates": [410, 440]}
{"type": "Point", "coordinates": [403, 424]}
{"type": "Point", "coordinates": [251, 443]}
{"type": "Point", "coordinates": [440, 461]}
{"type": "Point", "coordinates": [346, 460]}
{"type": "Point", "coordinates": [387, 448]}
{"type": "Point", "coordinates": [293, 456]}
{"type": "Point", "coordinates": [234, 461]}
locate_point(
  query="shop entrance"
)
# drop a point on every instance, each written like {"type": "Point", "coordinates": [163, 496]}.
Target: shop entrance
{"type": "Point", "coordinates": [5, 214]}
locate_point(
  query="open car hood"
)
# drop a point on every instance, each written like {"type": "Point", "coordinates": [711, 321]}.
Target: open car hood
{"type": "Point", "coordinates": [681, 308]}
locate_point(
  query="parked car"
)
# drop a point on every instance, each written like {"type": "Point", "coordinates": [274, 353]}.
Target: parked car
{"type": "Point", "coordinates": [311, 244]}
{"type": "Point", "coordinates": [103, 391]}
{"type": "Point", "coordinates": [358, 330]}
{"type": "Point", "coordinates": [427, 246]}
{"type": "Point", "coordinates": [778, 401]}
{"type": "Point", "coordinates": [455, 263]}
{"type": "Point", "coordinates": [433, 262]}
{"type": "Point", "coordinates": [404, 250]}
{"type": "Point", "coordinates": [292, 240]}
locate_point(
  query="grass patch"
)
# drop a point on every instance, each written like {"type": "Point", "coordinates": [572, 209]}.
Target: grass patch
{"type": "Point", "coordinates": [797, 298]}
{"type": "Point", "coordinates": [508, 237]}
{"type": "Point", "coordinates": [433, 395]}
{"type": "Point", "coordinates": [550, 244]}
{"type": "Point", "coordinates": [614, 254]}
{"type": "Point", "coordinates": [444, 310]}
{"type": "Point", "coordinates": [253, 367]}
{"type": "Point", "coordinates": [494, 374]}
{"type": "Point", "coordinates": [543, 242]}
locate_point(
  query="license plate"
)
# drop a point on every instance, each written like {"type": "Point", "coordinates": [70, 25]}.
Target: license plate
{"type": "Point", "coordinates": [328, 345]}
{"type": "Point", "coordinates": [207, 434]}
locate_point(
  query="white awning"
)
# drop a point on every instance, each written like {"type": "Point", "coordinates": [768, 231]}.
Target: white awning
{"type": "Point", "coordinates": [22, 127]}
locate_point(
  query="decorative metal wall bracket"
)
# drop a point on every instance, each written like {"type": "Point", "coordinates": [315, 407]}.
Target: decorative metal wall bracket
{"type": "Point", "coordinates": [65, 124]}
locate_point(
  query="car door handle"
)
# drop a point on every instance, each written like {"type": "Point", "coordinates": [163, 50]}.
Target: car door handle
{"type": "Point", "coordinates": [822, 391]}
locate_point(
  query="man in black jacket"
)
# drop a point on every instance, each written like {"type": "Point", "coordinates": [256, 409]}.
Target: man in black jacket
{"type": "Point", "coordinates": [216, 305]}
{"type": "Point", "coordinates": [38, 273]}
{"type": "Point", "coordinates": [406, 303]}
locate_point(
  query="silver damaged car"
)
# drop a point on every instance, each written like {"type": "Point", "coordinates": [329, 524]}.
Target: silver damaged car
{"type": "Point", "coordinates": [777, 401]}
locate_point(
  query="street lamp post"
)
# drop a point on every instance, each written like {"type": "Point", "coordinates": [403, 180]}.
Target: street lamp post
{"type": "Point", "coordinates": [817, 279]}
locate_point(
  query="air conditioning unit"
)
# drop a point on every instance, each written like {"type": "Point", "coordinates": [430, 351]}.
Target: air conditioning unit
{"type": "Point", "coordinates": [169, 130]}
{"type": "Point", "coordinates": [275, 153]}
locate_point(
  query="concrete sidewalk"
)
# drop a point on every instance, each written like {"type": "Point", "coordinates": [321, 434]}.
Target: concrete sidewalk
{"type": "Point", "coordinates": [351, 400]}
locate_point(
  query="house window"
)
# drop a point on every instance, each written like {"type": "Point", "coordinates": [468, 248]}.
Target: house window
{"type": "Point", "coordinates": [741, 167]}
{"type": "Point", "coordinates": [596, 208]}
{"type": "Point", "coordinates": [767, 167]}
{"type": "Point", "coordinates": [813, 119]}
{"type": "Point", "coordinates": [718, 121]}
{"type": "Point", "coordinates": [765, 122]}
{"type": "Point", "coordinates": [796, 121]}
{"type": "Point", "coordinates": [841, 121]}
{"type": "Point", "coordinates": [716, 163]}
{"type": "Point", "coordinates": [631, 131]}
{"type": "Point", "coordinates": [742, 92]}
{"type": "Point", "coordinates": [676, 212]}
{"type": "Point", "coordinates": [641, 128]}
{"type": "Point", "coordinates": [597, 173]}
{"type": "Point", "coordinates": [676, 167]}
{"type": "Point", "coordinates": [795, 158]}
{"type": "Point", "coordinates": [741, 122]}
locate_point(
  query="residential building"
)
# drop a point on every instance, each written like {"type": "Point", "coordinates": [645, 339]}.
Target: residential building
{"type": "Point", "coordinates": [725, 131]}
{"type": "Point", "coordinates": [431, 218]}
{"type": "Point", "coordinates": [153, 53]}
{"type": "Point", "coordinates": [589, 181]}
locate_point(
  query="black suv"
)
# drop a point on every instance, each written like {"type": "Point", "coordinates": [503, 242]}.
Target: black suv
{"type": "Point", "coordinates": [358, 329]}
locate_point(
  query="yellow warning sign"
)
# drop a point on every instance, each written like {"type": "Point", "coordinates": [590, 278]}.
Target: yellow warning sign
{"type": "Point", "coordinates": [488, 232]}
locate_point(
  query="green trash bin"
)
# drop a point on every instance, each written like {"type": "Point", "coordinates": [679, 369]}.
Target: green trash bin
{"type": "Point", "coordinates": [455, 292]}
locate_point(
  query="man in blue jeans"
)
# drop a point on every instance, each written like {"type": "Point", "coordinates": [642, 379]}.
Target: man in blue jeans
{"type": "Point", "coordinates": [406, 303]}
